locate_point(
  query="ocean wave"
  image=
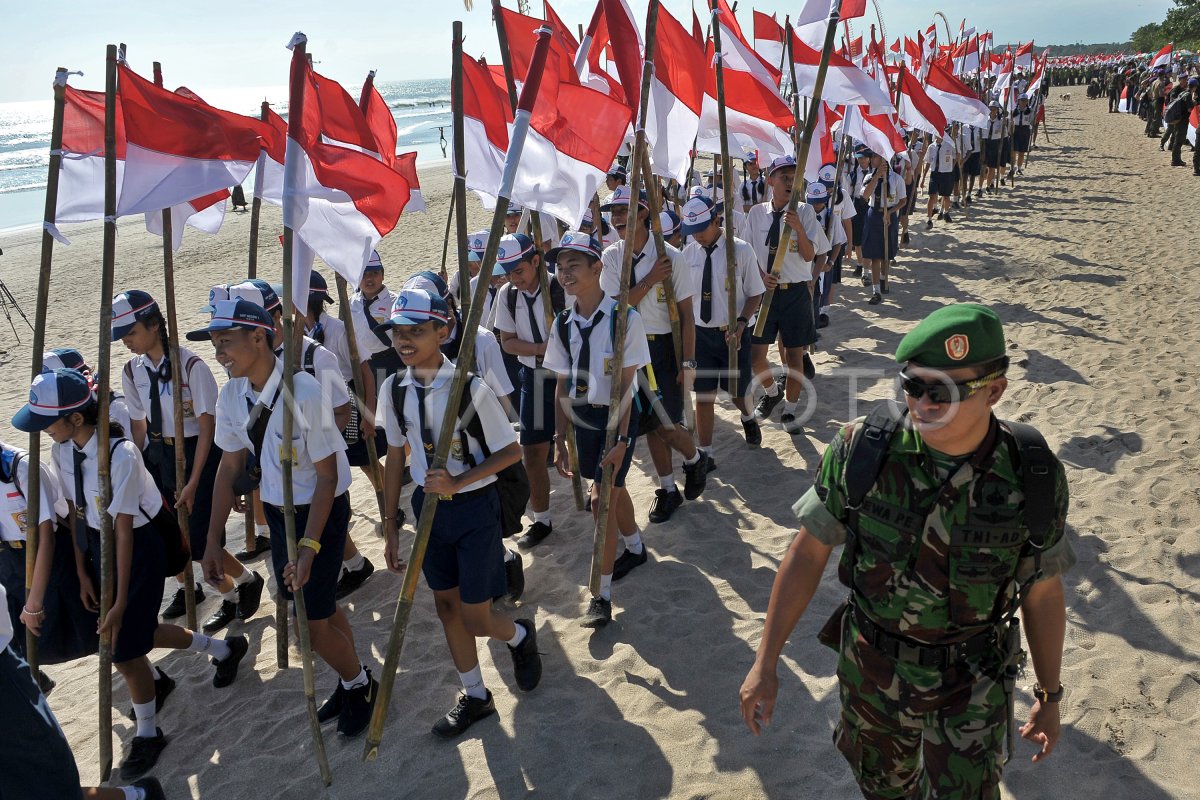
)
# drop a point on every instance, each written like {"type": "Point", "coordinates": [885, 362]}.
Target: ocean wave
{"type": "Point", "coordinates": [28, 187]}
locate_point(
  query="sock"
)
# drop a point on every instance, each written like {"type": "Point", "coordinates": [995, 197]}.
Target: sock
{"type": "Point", "coordinates": [667, 482]}
{"type": "Point", "coordinates": [360, 679]}
{"type": "Point", "coordinates": [354, 562]}
{"type": "Point", "coordinates": [217, 648]}
{"type": "Point", "coordinates": [542, 516]}
{"type": "Point", "coordinates": [748, 417]}
{"type": "Point", "coordinates": [144, 713]}
{"type": "Point", "coordinates": [263, 530]}
{"type": "Point", "coordinates": [824, 310]}
{"type": "Point", "coordinates": [509, 555]}
{"type": "Point", "coordinates": [695, 458]}
{"type": "Point", "coordinates": [633, 543]}
{"type": "Point", "coordinates": [773, 389]}
{"type": "Point", "coordinates": [247, 576]}
{"type": "Point", "coordinates": [230, 596]}
{"type": "Point", "coordinates": [133, 793]}
{"type": "Point", "coordinates": [606, 586]}
{"type": "Point", "coordinates": [179, 583]}
{"type": "Point", "coordinates": [473, 682]}
{"type": "Point", "coordinates": [789, 408]}
{"type": "Point", "coordinates": [519, 636]}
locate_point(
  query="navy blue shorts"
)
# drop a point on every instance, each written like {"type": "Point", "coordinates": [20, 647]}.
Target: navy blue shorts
{"type": "Point", "coordinates": [136, 637]}
{"type": "Point", "coordinates": [68, 630]}
{"type": "Point", "coordinates": [35, 760]}
{"type": "Point", "coordinates": [202, 505]}
{"type": "Point", "coordinates": [790, 317]}
{"type": "Point", "coordinates": [712, 362]}
{"type": "Point", "coordinates": [858, 221]}
{"type": "Point", "coordinates": [591, 423]}
{"type": "Point", "coordinates": [666, 374]}
{"type": "Point", "coordinates": [465, 549]}
{"type": "Point", "coordinates": [319, 592]}
{"type": "Point", "coordinates": [537, 405]}
{"type": "Point", "coordinates": [971, 164]}
{"type": "Point", "coordinates": [873, 237]}
{"type": "Point", "coordinates": [991, 149]}
{"type": "Point", "coordinates": [941, 184]}
{"type": "Point", "coordinates": [1021, 134]}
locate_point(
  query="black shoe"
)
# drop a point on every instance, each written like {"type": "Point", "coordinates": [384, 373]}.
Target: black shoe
{"type": "Point", "coordinates": [810, 369]}
{"type": "Point", "coordinates": [858, 270]}
{"type": "Point", "coordinates": [249, 595]}
{"type": "Point", "coordinates": [948, 218]}
{"type": "Point", "coordinates": [767, 404]}
{"type": "Point", "coordinates": [599, 613]}
{"type": "Point", "coordinates": [979, 195]}
{"type": "Point", "coordinates": [143, 755]}
{"type": "Point", "coordinates": [151, 787]}
{"type": "Point", "coordinates": [466, 713]}
{"type": "Point", "coordinates": [527, 662]}
{"type": "Point", "coordinates": [875, 299]}
{"type": "Point", "coordinates": [695, 477]}
{"type": "Point", "coordinates": [941, 215]}
{"type": "Point", "coordinates": [967, 199]}
{"type": "Point", "coordinates": [752, 431]}
{"type": "Point", "coordinates": [628, 561]}
{"type": "Point", "coordinates": [163, 686]}
{"type": "Point", "coordinates": [712, 463]}
{"type": "Point", "coordinates": [228, 667]}
{"type": "Point", "coordinates": [929, 224]}
{"type": "Point", "coordinates": [866, 279]}
{"type": "Point", "coordinates": [331, 709]}
{"type": "Point", "coordinates": [791, 424]}
{"type": "Point", "coordinates": [534, 536]}
{"type": "Point", "coordinates": [665, 504]}
{"type": "Point", "coordinates": [514, 573]}
{"type": "Point", "coordinates": [1003, 182]}
{"type": "Point", "coordinates": [225, 614]}
{"type": "Point", "coordinates": [355, 713]}
{"type": "Point", "coordinates": [351, 579]}
{"type": "Point", "coordinates": [178, 605]}
{"type": "Point", "coordinates": [822, 321]}
{"type": "Point", "coordinates": [904, 238]}
{"type": "Point", "coordinates": [262, 544]}
{"type": "Point", "coordinates": [955, 204]}
{"type": "Point", "coordinates": [1178, 164]}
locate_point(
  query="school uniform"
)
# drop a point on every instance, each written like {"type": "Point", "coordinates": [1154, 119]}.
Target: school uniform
{"type": "Point", "coordinates": [754, 190]}
{"type": "Point", "coordinates": [149, 397]}
{"type": "Point", "coordinates": [315, 437]}
{"type": "Point", "coordinates": [970, 143]}
{"type": "Point", "coordinates": [489, 359]}
{"type": "Point", "coordinates": [790, 316]}
{"type": "Point", "coordinates": [942, 166]}
{"type": "Point", "coordinates": [711, 310]}
{"type": "Point", "coordinates": [465, 549]}
{"type": "Point", "coordinates": [915, 153]}
{"type": "Point", "coordinates": [323, 365]}
{"type": "Point", "coordinates": [488, 318]}
{"type": "Point", "coordinates": [330, 333]}
{"type": "Point", "coordinates": [993, 136]}
{"type": "Point", "coordinates": [654, 313]}
{"type": "Point", "coordinates": [873, 242]}
{"type": "Point", "coordinates": [374, 341]}
{"type": "Point", "coordinates": [522, 313]}
{"type": "Point", "coordinates": [1022, 128]}
{"type": "Point", "coordinates": [854, 173]}
{"type": "Point", "coordinates": [580, 349]}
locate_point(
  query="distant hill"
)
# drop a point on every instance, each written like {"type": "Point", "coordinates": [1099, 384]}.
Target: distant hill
{"type": "Point", "coordinates": [1077, 49]}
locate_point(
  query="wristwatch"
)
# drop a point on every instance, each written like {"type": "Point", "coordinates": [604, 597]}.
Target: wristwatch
{"type": "Point", "coordinates": [743, 320]}
{"type": "Point", "coordinates": [1045, 697]}
{"type": "Point", "coordinates": [690, 364]}
{"type": "Point", "coordinates": [626, 440]}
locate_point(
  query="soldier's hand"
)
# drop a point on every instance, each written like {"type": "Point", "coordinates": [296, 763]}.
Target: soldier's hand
{"type": "Point", "coordinates": [757, 696]}
{"type": "Point", "coordinates": [1042, 729]}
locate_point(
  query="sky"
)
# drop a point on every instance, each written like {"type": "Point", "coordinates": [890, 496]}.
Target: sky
{"type": "Point", "coordinates": [220, 45]}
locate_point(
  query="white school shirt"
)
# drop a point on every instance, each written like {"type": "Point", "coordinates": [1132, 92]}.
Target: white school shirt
{"type": "Point", "coordinates": [506, 323]}
{"type": "Point", "coordinates": [327, 369]}
{"type": "Point", "coordinates": [795, 268]}
{"type": "Point", "coordinates": [133, 489]}
{"type": "Point", "coordinates": [489, 361]}
{"type": "Point", "coordinates": [656, 319]}
{"type": "Point", "coordinates": [968, 139]}
{"type": "Point", "coordinates": [637, 350]}
{"type": "Point", "coordinates": [896, 190]}
{"type": "Point", "coordinates": [943, 155]}
{"type": "Point", "coordinates": [749, 279]}
{"type": "Point", "coordinates": [335, 342]}
{"type": "Point", "coordinates": [496, 428]}
{"type": "Point", "coordinates": [380, 309]}
{"type": "Point", "coordinates": [1025, 117]}
{"type": "Point", "coordinates": [995, 129]}
{"type": "Point", "coordinates": [315, 435]}
{"type": "Point", "coordinates": [487, 320]}
{"type": "Point", "coordinates": [837, 231]}
{"type": "Point", "coordinates": [199, 392]}
{"type": "Point", "coordinates": [13, 506]}
{"type": "Point", "coordinates": [844, 209]}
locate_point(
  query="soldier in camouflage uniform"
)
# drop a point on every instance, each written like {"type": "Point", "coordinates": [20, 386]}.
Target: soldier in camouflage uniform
{"type": "Point", "coordinates": [937, 557]}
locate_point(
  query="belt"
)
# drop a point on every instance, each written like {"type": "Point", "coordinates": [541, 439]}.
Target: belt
{"type": "Point", "coordinates": [942, 656]}
{"type": "Point", "coordinates": [786, 286]}
{"type": "Point", "coordinates": [164, 439]}
{"type": "Point", "coordinates": [721, 328]}
{"type": "Point", "coordinates": [491, 487]}
{"type": "Point", "coordinates": [13, 545]}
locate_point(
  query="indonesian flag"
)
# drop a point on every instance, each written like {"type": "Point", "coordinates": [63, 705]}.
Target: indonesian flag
{"type": "Point", "coordinates": [205, 214]}
{"type": "Point", "coordinates": [966, 57]}
{"type": "Point", "coordinates": [406, 165]}
{"type": "Point", "coordinates": [560, 29]}
{"type": "Point", "coordinates": [521, 31]}
{"type": "Point", "coordinates": [820, 151]}
{"type": "Point", "coordinates": [625, 42]}
{"type": "Point", "coordinates": [918, 109]}
{"type": "Point", "coordinates": [486, 118]}
{"type": "Point", "coordinates": [817, 11]}
{"type": "Point", "coordinates": [1004, 78]}
{"type": "Point", "coordinates": [769, 36]}
{"type": "Point", "coordinates": [1123, 105]}
{"type": "Point", "coordinates": [339, 198]}
{"type": "Point", "coordinates": [676, 98]}
{"type": "Point", "coordinates": [697, 31]}
{"type": "Point", "coordinates": [1035, 83]}
{"type": "Point", "coordinates": [853, 8]}
{"type": "Point", "coordinates": [1024, 56]}
{"type": "Point", "coordinates": [268, 175]}
{"type": "Point", "coordinates": [81, 176]}
{"type": "Point", "coordinates": [1193, 124]}
{"type": "Point", "coordinates": [845, 84]}
{"type": "Point", "coordinates": [1163, 57]}
{"type": "Point", "coordinates": [379, 120]}
{"type": "Point", "coordinates": [957, 102]}
{"type": "Point", "coordinates": [876, 131]}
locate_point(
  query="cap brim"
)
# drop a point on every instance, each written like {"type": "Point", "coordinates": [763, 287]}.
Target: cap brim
{"type": "Point", "coordinates": [27, 421]}
{"type": "Point", "coordinates": [401, 320]}
{"type": "Point", "coordinates": [119, 332]}
{"type": "Point", "coordinates": [202, 335]}
{"type": "Point", "coordinates": [553, 254]}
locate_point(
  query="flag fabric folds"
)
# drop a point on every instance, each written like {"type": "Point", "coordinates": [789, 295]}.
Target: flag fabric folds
{"type": "Point", "coordinates": [676, 98]}
{"type": "Point", "coordinates": [956, 100]}
{"type": "Point", "coordinates": [917, 109]}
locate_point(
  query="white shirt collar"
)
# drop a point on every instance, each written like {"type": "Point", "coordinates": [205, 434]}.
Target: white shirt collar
{"type": "Point", "coordinates": [444, 374]}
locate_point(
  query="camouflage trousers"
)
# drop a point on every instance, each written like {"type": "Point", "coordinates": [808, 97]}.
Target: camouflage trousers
{"type": "Point", "coordinates": [917, 732]}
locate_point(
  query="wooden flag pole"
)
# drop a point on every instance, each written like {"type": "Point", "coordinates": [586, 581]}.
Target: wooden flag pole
{"type": "Point", "coordinates": [33, 482]}
{"type": "Point", "coordinates": [505, 53]}
{"type": "Point", "coordinates": [727, 190]}
{"type": "Point", "coordinates": [803, 144]}
{"type": "Point", "coordinates": [295, 113]}
{"type": "Point", "coordinates": [458, 201]}
{"type": "Point", "coordinates": [103, 455]}
{"type": "Point", "coordinates": [617, 401]}
{"type": "Point", "coordinates": [181, 514]}
{"type": "Point", "coordinates": [251, 534]}
{"type": "Point", "coordinates": [466, 358]}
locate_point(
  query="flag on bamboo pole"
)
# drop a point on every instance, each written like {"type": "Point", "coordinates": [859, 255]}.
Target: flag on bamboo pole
{"type": "Point", "coordinates": [81, 176]}
{"type": "Point", "coordinates": [1193, 124]}
{"type": "Point", "coordinates": [379, 120]}
{"type": "Point", "coordinates": [966, 57]}
{"type": "Point", "coordinates": [628, 51]}
{"type": "Point", "coordinates": [205, 214]}
{"type": "Point", "coordinates": [876, 131]}
{"type": "Point", "coordinates": [406, 165]}
{"type": "Point", "coordinates": [697, 29]}
{"type": "Point", "coordinates": [914, 55]}
{"type": "Point", "coordinates": [1162, 58]}
{"type": "Point", "coordinates": [268, 178]}
{"type": "Point", "coordinates": [486, 117]}
{"type": "Point", "coordinates": [1024, 56]}
{"type": "Point", "coordinates": [676, 98]}
{"type": "Point", "coordinates": [522, 37]}
{"type": "Point", "coordinates": [956, 100]}
{"type": "Point", "coordinates": [769, 38]}
{"type": "Point", "coordinates": [1123, 105]}
{"type": "Point", "coordinates": [821, 151]}
{"type": "Point", "coordinates": [732, 29]}
{"type": "Point", "coordinates": [845, 83]}
{"type": "Point", "coordinates": [560, 30]}
{"type": "Point", "coordinates": [917, 109]}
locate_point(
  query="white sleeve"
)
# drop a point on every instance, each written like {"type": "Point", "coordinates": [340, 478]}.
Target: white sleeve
{"type": "Point", "coordinates": [49, 488]}
{"type": "Point", "coordinates": [203, 386]}
{"type": "Point", "coordinates": [813, 230]}
{"type": "Point", "coordinates": [556, 359]}
{"type": "Point", "coordinates": [610, 273]}
{"type": "Point", "coordinates": [752, 282]}
{"type": "Point", "coordinates": [496, 428]}
{"type": "Point", "coordinates": [502, 320]}
{"type": "Point", "coordinates": [329, 373]}
{"type": "Point", "coordinates": [386, 412]}
{"type": "Point", "coordinates": [133, 400]}
{"type": "Point", "coordinates": [127, 480]}
{"type": "Point", "coordinates": [681, 277]}
{"type": "Point", "coordinates": [637, 349]}
{"type": "Point", "coordinates": [491, 363]}
{"type": "Point", "coordinates": [226, 435]}
{"type": "Point", "coordinates": [314, 418]}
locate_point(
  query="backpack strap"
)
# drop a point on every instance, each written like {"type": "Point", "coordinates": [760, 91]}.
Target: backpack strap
{"type": "Point", "coordinates": [309, 355]}
{"type": "Point", "coordinates": [399, 393]}
{"type": "Point", "coordinates": [510, 300]}
{"type": "Point", "coordinates": [469, 423]}
{"type": "Point", "coordinates": [563, 323]}
{"type": "Point", "coordinates": [1037, 479]}
{"type": "Point", "coordinates": [558, 297]}
{"type": "Point", "coordinates": [865, 458]}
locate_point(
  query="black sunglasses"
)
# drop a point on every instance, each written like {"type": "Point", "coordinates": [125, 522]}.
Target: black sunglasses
{"type": "Point", "coordinates": [946, 392]}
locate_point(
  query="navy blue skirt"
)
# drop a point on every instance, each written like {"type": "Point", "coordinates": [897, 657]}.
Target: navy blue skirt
{"type": "Point", "coordinates": [136, 637]}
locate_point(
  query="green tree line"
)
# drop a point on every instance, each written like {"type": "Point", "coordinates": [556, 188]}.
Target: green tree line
{"type": "Point", "coordinates": [1181, 26]}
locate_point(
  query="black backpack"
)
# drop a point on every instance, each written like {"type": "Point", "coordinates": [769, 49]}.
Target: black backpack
{"type": "Point", "coordinates": [1175, 110]}
{"type": "Point", "coordinates": [512, 482]}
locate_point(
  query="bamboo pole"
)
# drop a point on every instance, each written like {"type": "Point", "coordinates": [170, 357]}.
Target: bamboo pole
{"type": "Point", "coordinates": [33, 486]}
{"type": "Point", "coordinates": [617, 400]}
{"type": "Point", "coordinates": [446, 240]}
{"type": "Point", "coordinates": [802, 147]}
{"type": "Point", "coordinates": [251, 533]}
{"type": "Point", "coordinates": [505, 53]}
{"type": "Point", "coordinates": [466, 357]}
{"type": "Point", "coordinates": [103, 456]}
{"type": "Point", "coordinates": [296, 110]}
{"type": "Point", "coordinates": [458, 203]}
{"type": "Point", "coordinates": [727, 190]}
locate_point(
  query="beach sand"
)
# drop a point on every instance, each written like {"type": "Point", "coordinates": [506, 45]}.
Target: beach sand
{"type": "Point", "coordinates": [648, 707]}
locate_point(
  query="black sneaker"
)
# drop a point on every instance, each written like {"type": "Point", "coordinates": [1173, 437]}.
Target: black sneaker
{"type": "Point", "coordinates": [249, 595]}
{"type": "Point", "coordinates": [810, 369]}
{"type": "Point", "coordinates": [163, 686]}
{"type": "Point", "coordinates": [331, 709]}
{"type": "Point", "coordinates": [822, 321]}
{"type": "Point", "coordinates": [599, 613]}
{"type": "Point", "coordinates": [695, 477]}
{"type": "Point", "coordinates": [527, 662]}
{"type": "Point", "coordinates": [351, 579]}
{"type": "Point", "coordinates": [791, 424]}
{"type": "Point", "coordinates": [262, 544]}
{"type": "Point", "coordinates": [858, 270]}
{"type": "Point", "coordinates": [665, 504]}
{"type": "Point", "coordinates": [929, 224]}
{"type": "Point", "coordinates": [767, 404]}
{"type": "Point", "coordinates": [514, 572]}
{"type": "Point", "coordinates": [226, 613]}
{"type": "Point", "coordinates": [151, 787]}
{"type": "Point", "coordinates": [178, 605]}
{"type": "Point", "coordinates": [866, 279]}
{"type": "Point", "coordinates": [752, 431]}
{"type": "Point", "coordinates": [955, 204]}
{"type": "Point", "coordinates": [949, 218]}
{"type": "Point", "coordinates": [143, 755]}
{"type": "Point", "coordinates": [875, 300]}
{"type": "Point", "coordinates": [904, 238]}
{"type": "Point", "coordinates": [534, 535]}
{"type": "Point", "coordinates": [355, 713]}
{"type": "Point", "coordinates": [941, 215]}
{"type": "Point", "coordinates": [228, 667]}
{"type": "Point", "coordinates": [627, 562]}
{"type": "Point", "coordinates": [465, 713]}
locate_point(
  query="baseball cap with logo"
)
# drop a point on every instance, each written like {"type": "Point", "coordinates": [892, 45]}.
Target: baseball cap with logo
{"type": "Point", "coordinates": [827, 174]}
{"type": "Point", "coordinates": [318, 285]}
{"type": "Point", "coordinates": [621, 198]}
{"type": "Point", "coordinates": [697, 214]}
{"type": "Point", "coordinates": [617, 172]}
{"type": "Point", "coordinates": [817, 194]}
{"type": "Point", "coordinates": [514, 209]}
{"type": "Point", "coordinates": [235, 313]}
{"type": "Point", "coordinates": [52, 396]}
{"type": "Point", "coordinates": [257, 291]}
{"type": "Point", "coordinates": [414, 306]}
{"type": "Point", "coordinates": [476, 244]}
{"type": "Point", "coordinates": [514, 248]}
{"type": "Point", "coordinates": [578, 242]}
{"type": "Point", "coordinates": [215, 294]}
{"type": "Point", "coordinates": [428, 281]}
{"type": "Point", "coordinates": [374, 263]}
{"type": "Point", "coordinates": [781, 162]}
{"type": "Point", "coordinates": [64, 358]}
{"type": "Point", "coordinates": [128, 308]}
{"type": "Point", "coordinates": [670, 223]}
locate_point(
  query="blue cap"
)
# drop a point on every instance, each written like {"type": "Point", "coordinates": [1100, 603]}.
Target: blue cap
{"type": "Point", "coordinates": [64, 358]}
{"type": "Point", "coordinates": [817, 193]}
{"type": "Point", "coordinates": [235, 313]}
{"type": "Point", "coordinates": [129, 308]}
{"type": "Point", "coordinates": [578, 242]}
{"type": "Point", "coordinates": [669, 221]}
{"type": "Point", "coordinates": [52, 396]}
{"type": "Point", "coordinates": [414, 306]}
{"type": "Point", "coordinates": [621, 198]}
{"type": "Point", "coordinates": [697, 214]}
{"type": "Point", "coordinates": [514, 248]}
{"type": "Point", "coordinates": [318, 285]}
{"type": "Point", "coordinates": [215, 294]}
{"type": "Point", "coordinates": [374, 263]}
{"type": "Point", "coordinates": [257, 291]}
{"type": "Point", "coordinates": [428, 281]}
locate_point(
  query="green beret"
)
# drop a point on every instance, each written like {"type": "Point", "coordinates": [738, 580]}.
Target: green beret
{"type": "Point", "coordinates": [954, 336]}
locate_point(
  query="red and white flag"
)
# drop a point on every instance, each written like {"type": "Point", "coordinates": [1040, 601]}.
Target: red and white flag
{"type": "Point", "coordinates": [769, 38]}
{"type": "Point", "coordinates": [917, 109]}
{"type": "Point", "coordinates": [205, 214]}
{"type": "Point", "coordinates": [845, 84]}
{"type": "Point", "coordinates": [379, 120]}
{"type": "Point", "coordinates": [487, 116]}
{"type": "Point", "coordinates": [1193, 124]}
{"type": "Point", "coordinates": [956, 100]}
{"type": "Point", "coordinates": [1163, 57]}
{"type": "Point", "coordinates": [876, 131]}
{"type": "Point", "coordinates": [625, 43]}
{"type": "Point", "coordinates": [1024, 56]}
{"type": "Point", "coordinates": [81, 177]}
{"type": "Point", "coordinates": [820, 151]}
{"type": "Point", "coordinates": [406, 165]}
{"type": "Point", "coordinates": [966, 57]}
{"type": "Point", "coordinates": [676, 98]}
{"type": "Point", "coordinates": [1123, 104]}
{"type": "Point", "coordinates": [268, 174]}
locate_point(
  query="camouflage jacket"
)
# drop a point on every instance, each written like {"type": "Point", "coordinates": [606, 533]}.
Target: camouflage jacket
{"type": "Point", "coordinates": [940, 556]}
